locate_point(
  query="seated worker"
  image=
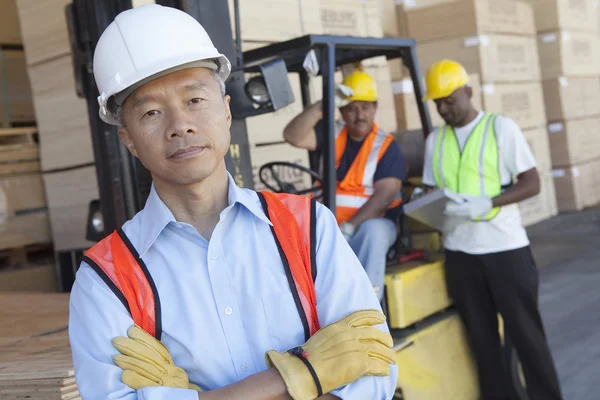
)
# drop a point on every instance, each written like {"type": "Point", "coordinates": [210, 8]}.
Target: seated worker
{"type": "Point", "coordinates": [489, 265]}
{"type": "Point", "coordinates": [370, 169]}
{"type": "Point", "coordinates": [212, 291]}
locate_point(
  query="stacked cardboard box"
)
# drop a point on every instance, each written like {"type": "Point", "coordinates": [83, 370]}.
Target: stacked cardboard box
{"type": "Point", "coordinates": [495, 40]}
{"type": "Point", "coordinates": [569, 49]}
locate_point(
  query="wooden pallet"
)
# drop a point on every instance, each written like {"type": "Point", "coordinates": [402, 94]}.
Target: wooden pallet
{"type": "Point", "coordinates": [35, 357]}
{"type": "Point", "coordinates": [19, 151]}
{"type": "Point", "coordinates": [34, 254]}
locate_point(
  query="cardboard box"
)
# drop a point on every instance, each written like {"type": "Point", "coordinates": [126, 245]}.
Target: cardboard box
{"type": "Point", "coordinates": [62, 117]}
{"type": "Point", "coordinates": [574, 141]}
{"type": "Point", "coordinates": [280, 152]}
{"type": "Point", "coordinates": [69, 194]}
{"type": "Point", "coordinates": [538, 142]}
{"type": "Point", "coordinates": [407, 112]}
{"type": "Point", "coordinates": [268, 128]}
{"type": "Point", "coordinates": [10, 31]}
{"type": "Point", "coordinates": [44, 29]}
{"type": "Point", "coordinates": [389, 18]}
{"type": "Point", "coordinates": [496, 58]}
{"type": "Point", "coordinates": [565, 14]}
{"type": "Point", "coordinates": [569, 54]}
{"type": "Point", "coordinates": [568, 98]}
{"type": "Point", "coordinates": [523, 102]}
{"type": "Point", "coordinates": [476, 17]}
{"type": "Point", "coordinates": [351, 17]}
{"type": "Point", "coordinates": [577, 186]}
{"type": "Point", "coordinates": [277, 20]}
{"type": "Point", "coordinates": [16, 103]}
{"type": "Point", "coordinates": [23, 214]}
{"type": "Point", "coordinates": [542, 206]}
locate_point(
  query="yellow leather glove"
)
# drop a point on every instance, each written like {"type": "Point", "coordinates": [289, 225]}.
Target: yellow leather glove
{"type": "Point", "coordinates": [145, 361]}
{"type": "Point", "coordinates": [336, 355]}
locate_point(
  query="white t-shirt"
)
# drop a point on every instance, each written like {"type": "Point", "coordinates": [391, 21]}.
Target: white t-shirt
{"type": "Point", "coordinates": [505, 231]}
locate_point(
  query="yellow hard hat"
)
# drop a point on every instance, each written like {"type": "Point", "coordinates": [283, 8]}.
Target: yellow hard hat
{"type": "Point", "coordinates": [443, 78]}
{"type": "Point", "coordinates": [363, 86]}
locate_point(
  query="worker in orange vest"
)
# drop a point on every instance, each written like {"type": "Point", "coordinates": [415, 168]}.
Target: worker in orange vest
{"type": "Point", "coordinates": [370, 169]}
{"type": "Point", "coordinates": [212, 291]}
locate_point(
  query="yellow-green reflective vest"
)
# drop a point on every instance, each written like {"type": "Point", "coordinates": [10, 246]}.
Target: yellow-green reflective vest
{"type": "Point", "coordinates": [473, 171]}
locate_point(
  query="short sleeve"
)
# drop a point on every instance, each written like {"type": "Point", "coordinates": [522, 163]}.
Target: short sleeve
{"type": "Point", "coordinates": [428, 178]}
{"type": "Point", "coordinates": [514, 150]}
{"type": "Point", "coordinates": [392, 164]}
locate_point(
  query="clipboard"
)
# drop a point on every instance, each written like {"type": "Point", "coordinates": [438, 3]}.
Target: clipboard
{"type": "Point", "coordinates": [429, 210]}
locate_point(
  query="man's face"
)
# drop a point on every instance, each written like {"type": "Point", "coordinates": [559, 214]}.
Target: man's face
{"type": "Point", "coordinates": [454, 109]}
{"type": "Point", "coordinates": [359, 117]}
{"type": "Point", "coordinates": [178, 126]}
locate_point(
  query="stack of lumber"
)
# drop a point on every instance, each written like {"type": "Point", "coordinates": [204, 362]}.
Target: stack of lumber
{"type": "Point", "coordinates": [35, 357]}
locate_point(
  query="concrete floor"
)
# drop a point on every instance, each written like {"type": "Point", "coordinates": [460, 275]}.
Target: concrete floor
{"type": "Point", "coordinates": [567, 250]}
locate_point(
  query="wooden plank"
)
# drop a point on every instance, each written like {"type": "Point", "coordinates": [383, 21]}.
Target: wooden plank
{"type": "Point", "coordinates": [19, 152]}
{"type": "Point", "coordinates": [35, 356]}
{"type": "Point", "coordinates": [39, 278]}
{"type": "Point", "coordinates": [18, 131]}
{"type": "Point", "coordinates": [15, 168]}
{"type": "Point", "coordinates": [23, 230]}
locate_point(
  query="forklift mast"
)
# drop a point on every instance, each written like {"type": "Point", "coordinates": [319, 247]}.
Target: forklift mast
{"type": "Point", "coordinates": [123, 182]}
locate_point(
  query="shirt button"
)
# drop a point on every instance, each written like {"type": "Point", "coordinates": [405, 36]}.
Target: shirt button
{"type": "Point", "coordinates": [228, 311]}
{"type": "Point", "coordinates": [244, 367]}
{"type": "Point", "coordinates": [214, 257]}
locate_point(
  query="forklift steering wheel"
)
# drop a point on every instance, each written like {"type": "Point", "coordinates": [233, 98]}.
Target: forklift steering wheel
{"type": "Point", "coordinates": [285, 187]}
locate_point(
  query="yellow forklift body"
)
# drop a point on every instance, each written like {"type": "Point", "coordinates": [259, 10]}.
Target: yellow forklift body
{"type": "Point", "coordinates": [415, 291]}
{"type": "Point", "coordinates": [435, 362]}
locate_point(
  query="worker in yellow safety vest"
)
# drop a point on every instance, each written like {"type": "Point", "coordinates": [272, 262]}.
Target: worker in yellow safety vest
{"type": "Point", "coordinates": [370, 168]}
{"type": "Point", "coordinates": [212, 291]}
{"type": "Point", "coordinates": [489, 265]}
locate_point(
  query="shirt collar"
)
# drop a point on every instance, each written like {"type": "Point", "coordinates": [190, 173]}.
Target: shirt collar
{"type": "Point", "coordinates": [156, 215]}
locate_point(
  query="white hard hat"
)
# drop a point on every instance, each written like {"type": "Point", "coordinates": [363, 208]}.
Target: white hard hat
{"type": "Point", "coordinates": [145, 43]}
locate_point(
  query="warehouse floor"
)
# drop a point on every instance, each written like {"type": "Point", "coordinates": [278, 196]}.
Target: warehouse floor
{"type": "Point", "coordinates": [567, 249]}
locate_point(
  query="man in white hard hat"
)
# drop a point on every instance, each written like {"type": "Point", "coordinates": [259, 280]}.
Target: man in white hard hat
{"type": "Point", "coordinates": [212, 291]}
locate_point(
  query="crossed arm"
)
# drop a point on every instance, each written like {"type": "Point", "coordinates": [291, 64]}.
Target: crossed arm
{"type": "Point", "coordinates": [266, 385]}
{"type": "Point", "coordinates": [97, 316]}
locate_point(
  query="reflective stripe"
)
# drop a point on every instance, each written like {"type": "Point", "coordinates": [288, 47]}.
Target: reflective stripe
{"type": "Point", "coordinates": [441, 157]}
{"type": "Point", "coordinates": [344, 200]}
{"type": "Point", "coordinates": [371, 164]}
{"type": "Point", "coordinates": [481, 157]}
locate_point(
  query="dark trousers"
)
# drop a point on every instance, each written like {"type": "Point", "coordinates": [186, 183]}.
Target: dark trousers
{"type": "Point", "coordinates": [507, 283]}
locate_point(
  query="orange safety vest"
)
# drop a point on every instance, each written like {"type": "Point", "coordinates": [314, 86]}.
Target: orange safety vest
{"type": "Point", "coordinates": [294, 227]}
{"type": "Point", "coordinates": [357, 186]}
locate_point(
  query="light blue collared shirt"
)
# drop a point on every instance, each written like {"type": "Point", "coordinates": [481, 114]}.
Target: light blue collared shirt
{"type": "Point", "coordinates": [224, 302]}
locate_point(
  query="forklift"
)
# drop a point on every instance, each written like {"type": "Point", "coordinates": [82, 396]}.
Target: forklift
{"type": "Point", "coordinates": [432, 353]}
